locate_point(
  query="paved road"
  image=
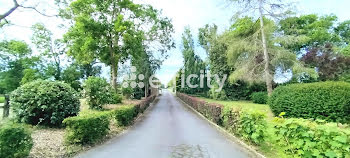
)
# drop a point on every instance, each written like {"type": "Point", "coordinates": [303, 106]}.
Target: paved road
{"type": "Point", "coordinates": [169, 130]}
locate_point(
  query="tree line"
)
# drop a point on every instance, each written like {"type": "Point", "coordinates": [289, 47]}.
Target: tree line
{"type": "Point", "coordinates": [261, 50]}
{"type": "Point", "coordinates": [108, 32]}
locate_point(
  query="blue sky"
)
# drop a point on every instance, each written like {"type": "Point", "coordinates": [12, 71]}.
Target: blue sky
{"type": "Point", "coordinates": [193, 13]}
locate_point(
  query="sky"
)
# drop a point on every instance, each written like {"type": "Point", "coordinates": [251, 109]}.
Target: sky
{"type": "Point", "coordinates": [193, 13]}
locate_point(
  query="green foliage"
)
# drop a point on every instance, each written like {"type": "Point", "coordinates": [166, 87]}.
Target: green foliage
{"type": "Point", "coordinates": [193, 64]}
{"type": "Point", "coordinates": [52, 49]}
{"type": "Point", "coordinates": [87, 129]}
{"type": "Point", "coordinates": [252, 126]}
{"type": "Point", "coordinates": [71, 75]}
{"type": "Point", "coordinates": [122, 30]}
{"type": "Point", "coordinates": [328, 101]}
{"type": "Point", "coordinates": [15, 141]}
{"type": "Point", "coordinates": [259, 97]}
{"type": "Point", "coordinates": [125, 115]}
{"type": "Point", "coordinates": [29, 75]}
{"type": "Point", "coordinates": [15, 58]}
{"type": "Point", "coordinates": [44, 102]}
{"type": "Point", "coordinates": [127, 92]}
{"type": "Point", "coordinates": [315, 30]}
{"type": "Point", "coordinates": [304, 138]}
{"type": "Point", "coordinates": [99, 93]}
{"type": "Point", "coordinates": [2, 99]}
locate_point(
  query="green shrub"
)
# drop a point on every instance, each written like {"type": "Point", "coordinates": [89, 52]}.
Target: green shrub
{"type": "Point", "coordinates": [44, 102]}
{"type": "Point", "coordinates": [252, 126]}
{"type": "Point", "coordinates": [87, 129]}
{"type": "Point", "coordinates": [125, 115]}
{"type": "Point", "coordinates": [328, 101]}
{"type": "Point", "coordinates": [2, 99]}
{"type": "Point", "coordinates": [15, 141]}
{"type": "Point", "coordinates": [304, 138]}
{"type": "Point", "coordinates": [99, 93]}
{"type": "Point", "coordinates": [259, 97]}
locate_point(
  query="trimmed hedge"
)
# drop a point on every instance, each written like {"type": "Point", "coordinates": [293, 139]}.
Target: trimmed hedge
{"type": "Point", "coordinates": [124, 115]}
{"type": "Point", "coordinates": [328, 101]}
{"type": "Point", "coordinates": [44, 102]}
{"type": "Point", "coordinates": [209, 110]}
{"type": "Point", "coordinates": [259, 97]}
{"type": "Point", "coordinates": [141, 107]}
{"type": "Point", "coordinates": [304, 138]}
{"type": "Point", "coordinates": [87, 129]}
{"type": "Point", "coordinates": [15, 141]}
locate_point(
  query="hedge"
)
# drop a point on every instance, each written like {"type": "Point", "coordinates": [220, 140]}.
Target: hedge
{"type": "Point", "coordinates": [15, 141]}
{"type": "Point", "coordinates": [144, 104]}
{"type": "Point", "coordinates": [209, 110]}
{"type": "Point", "coordinates": [124, 115]}
{"type": "Point", "coordinates": [87, 129]}
{"type": "Point", "coordinates": [259, 97]}
{"type": "Point", "coordinates": [295, 137]}
{"type": "Point", "coordinates": [305, 138]}
{"type": "Point", "coordinates": [45, 102]}
{"type": "Point", "coordinates": [328, 101]}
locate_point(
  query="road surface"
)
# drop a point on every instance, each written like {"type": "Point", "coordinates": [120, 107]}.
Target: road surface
{"type": "Point", "coordinates": [169, 130]}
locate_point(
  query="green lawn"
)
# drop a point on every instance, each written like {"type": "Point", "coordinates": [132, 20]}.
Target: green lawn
{"type": "Point", "coordinates": [244, 105]}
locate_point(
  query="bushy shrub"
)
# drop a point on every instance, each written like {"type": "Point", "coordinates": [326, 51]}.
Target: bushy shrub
{"type": "Point", "coordinates": [99, 93]}
{"type": "Point", "coordinates": [45, 102]}
{"type": "Point", "coordinates": [304, 138]}
{"type": "Point", "coordinates": [124, 115]}
{"type": "Point", "coordinates": [252, 126]}
{"type": "Point", "coordinates": [15, 141]}
{"type": "Point", "coordinates": [87, 129]}
{"type": "Point", "coordinates": [328, 101]}
{"type": "Point", "coordinates": [209, 110]}
{"type": "Point", "coordinates": [259, 97]}
{"type": "Point", "coordinates": [127, 92]}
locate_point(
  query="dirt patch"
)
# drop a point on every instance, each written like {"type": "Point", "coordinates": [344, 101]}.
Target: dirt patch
{"type": "Point", "coordinates": [48, 143]}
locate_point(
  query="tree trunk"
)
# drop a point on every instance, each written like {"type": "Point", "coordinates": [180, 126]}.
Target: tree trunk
{"type": "Point", "coordinates": [266, 55]}
{"type": "Point", "coordinates": [114, 69]}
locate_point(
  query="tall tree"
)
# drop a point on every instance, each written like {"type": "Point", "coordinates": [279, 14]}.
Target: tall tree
{"type": "Point", "coordinates": [15, 57]}
{"type": "Point", "coordinates": [274, 8]}
{"type": "Point", "coordinates": [52, 49]}
{"type": "Point", "coordinates": [192, 62]}
{"type": "Point", "coordinates": [245, 54]}
{"type": "Point", "coordinates": [113, 30]}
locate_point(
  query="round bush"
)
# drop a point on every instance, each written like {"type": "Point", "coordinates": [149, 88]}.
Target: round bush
{"type": "Point", "coordinates": [99, 92]}
{"type": "Point", "coordinates": [328, 101]}
{"type": "Point", "coordinates": [45, 102]}
{"type": "Point", "coordinates": [15, 141]}
{"type": "Point", "coordinates": [259, 97]}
